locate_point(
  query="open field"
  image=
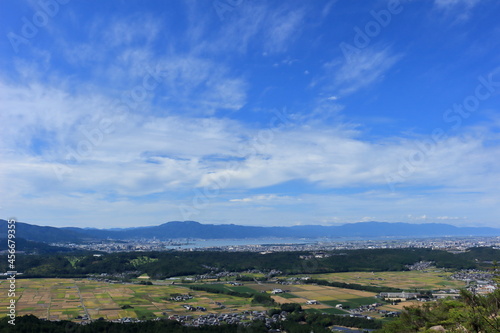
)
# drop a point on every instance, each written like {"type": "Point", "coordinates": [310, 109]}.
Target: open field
{"type": "Point", "coordinates": [328, 297]}
{"type": "Point", "coordinates": [430, 280]}
{"type": "Point", "coordinates": [399, 306]}
{"type": "Point", "coordinates": [227, 288]}
{"type": "Point", "coordinates": [69, 298]}
{"type": "Point", "coordinates": [253, 275]}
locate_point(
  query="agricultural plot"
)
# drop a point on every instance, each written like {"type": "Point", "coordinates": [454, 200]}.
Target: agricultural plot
{"type": "Point", "coordinates": [328, 297]}
{"type": "Point", "coordinates": [253, 275]}
{"type": "Point", "coordinates": [333, 296]}
{"type": "Point", "coordinates": [399, 306]}
{"type": "Point", "coordinates": [228, 288]}
{"type": "Point", "coordinates": [71, 298]}
{"type": "Point", "coordinates": [409, 280]}
{"type": "Point", "coordinates": [57, 300]}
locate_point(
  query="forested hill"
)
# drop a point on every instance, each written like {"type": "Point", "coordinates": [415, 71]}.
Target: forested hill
{"type": "Point", "coordinates": [161, 265]}
{"type": "Point", "coordinates": [192, 229]}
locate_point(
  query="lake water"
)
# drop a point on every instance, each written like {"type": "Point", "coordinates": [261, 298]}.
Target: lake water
{"type": "Point", "coordinates": [202, 243]}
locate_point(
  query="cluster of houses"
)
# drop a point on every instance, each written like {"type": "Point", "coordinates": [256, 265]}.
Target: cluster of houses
{"type": "Point", "coordinates": [274, 272]}
{"type": "Point", "coordinates": [420, 266]}
{"type": "Point", "coordinates": [113, 278]}
{"type": "Point", "coordinates": [126, 320]}
{"type": "Point", "coordinates": [181, 298]}
{"type": "Point", "coordinates": [194, 308]}
{"type": "Point", "coordinates": [316, 255]}
{"type": "Point", "coordinates": [366, 308]}
{"type": "Point", "coordinates": [358, 312]}
{"type": "Point", "coordinates": [478, 288]}
{"type": "Point", "coordinates": [235, 283]}
{"type": "Point", "coordinates": [222, 306]}
{"type": "Point", "coordinates": [215, 275]}
{"type": "Point", "coordinates": [276, 291]}
{"type": "Point", "coordinates": [484, 288]}
{"type": "Point", "coordinates": [477, 281]}
{"type": "Point", "coordinates": [387, 313]}
{"type": "Point", "coordinates": [473, 275]}
{"type": "Point", "coordinates": [242, 318]}
{"type": "Point", "coordinates": [229, 318]}
{"type": "Point", "coordinates": [84, 317]}
{"type": "Point", "coordinates": [402, 296]}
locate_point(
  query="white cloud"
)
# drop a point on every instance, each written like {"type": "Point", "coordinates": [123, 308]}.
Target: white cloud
{"type": "Point", "coordinates": [119, 53]}
{"type": "Point", "coordinates": [122, 31]}
{"type": "Point", "coordinates": [283, 28]}
{"type": "Point", "coordinates": [327, 8]}
{"type": "Point", "coordinates": [173, 143]}
{"type": "Point", "coordinates": [377, 205]}
{"type": "Point", "coordinates": [453, 3]}
{"type": "Point", "coordinates": [200, 86]}
{"type": "Point", "coordinates": [124, 40]}
{"type": "Point", "coordinates": [363, 69]}
{"type": "Point", "coordinates": [164, 154]}
{"type": "Point", "coordinates": [255, 25]}
{"type": "Point", "coordinates": [264, 198]}
{"type": "Point", "coordinates": [142, 154]}
{"type": "Point", "coordinates": [451, 218]}
{"type": "Point", "coordinates": [178, 153]}
{"type": "Point", "coordinates": [460, 10]}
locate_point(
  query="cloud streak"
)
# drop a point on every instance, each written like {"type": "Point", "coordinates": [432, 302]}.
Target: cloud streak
{"type": "Point", "coordinates": [130, 114]}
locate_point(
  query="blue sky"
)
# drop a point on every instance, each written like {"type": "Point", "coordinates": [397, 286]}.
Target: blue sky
{"type": "Point", "coordinates": [133, 113]}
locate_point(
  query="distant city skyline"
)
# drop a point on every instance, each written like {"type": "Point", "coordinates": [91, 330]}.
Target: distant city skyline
{"type": "Point", "coordinates": [127, 114]}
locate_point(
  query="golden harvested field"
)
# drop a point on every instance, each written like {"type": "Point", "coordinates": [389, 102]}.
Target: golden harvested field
{"type": "Point", "coordinates": [324, 293]}
{"type": "Point", "coordinates": [282, 300]}
{"type": "Point", "coordinates": [431, 280]}
{"type": "Point", "coordinates": [69, 298]}
{"type": "Point", "coordinates": [328, 297]}
{"type": "Point", "coordinates": [399, 306]}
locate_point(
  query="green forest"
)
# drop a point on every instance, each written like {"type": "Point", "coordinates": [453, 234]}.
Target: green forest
{"type": "Point", "coordinates": [161, 265]}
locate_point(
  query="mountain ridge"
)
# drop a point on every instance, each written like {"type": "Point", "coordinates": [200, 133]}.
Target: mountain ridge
{"type": "Point", "coordinates": [194, 229]}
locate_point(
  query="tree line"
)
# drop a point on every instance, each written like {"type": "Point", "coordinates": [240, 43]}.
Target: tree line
{"type": "Point", "coordinates": [169, 264]}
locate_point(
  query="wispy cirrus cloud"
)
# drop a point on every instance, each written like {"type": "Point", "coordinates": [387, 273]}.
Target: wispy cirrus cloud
{"type": "Point", "coordinates": [210, 87]}
{"type": "Point", "coordinates": [333, 156]}
{"type": "Point", "coordinates": [283, 28]}
{"type": "Point", "coordinates": [138, 29]}
{"type": "Point", "coordinates": [452, 3]}
{"type": "Point", "coordinates": [257, 26]}
{"type": "Point", "coordinates": [365, 68]}
{"type": "Point", "coordinates": [460, 9]}
{"type": "Point", "coordinates": [120, 54]}
{"type": "Point", "coordinates": [265, 198]}
{"type": "Point", "coordinates": [177, 153]}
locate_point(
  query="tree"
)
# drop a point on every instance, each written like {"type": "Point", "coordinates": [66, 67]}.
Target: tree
{"type": "Point", "coordinates": [471, 313]}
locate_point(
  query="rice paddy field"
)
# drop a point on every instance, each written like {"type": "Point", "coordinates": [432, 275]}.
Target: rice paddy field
{"type": "Point", "coordinates": [328, 297]}
{"type": "Point", "coordinates": [69, 299]}
{"type": "Point", "coordinates": [66, 299]}
{"type": "Point", "coordinates": [408, 280]}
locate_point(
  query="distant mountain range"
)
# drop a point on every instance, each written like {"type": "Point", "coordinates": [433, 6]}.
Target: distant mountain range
{"type": "Point", "coordinates": [192, 229]}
